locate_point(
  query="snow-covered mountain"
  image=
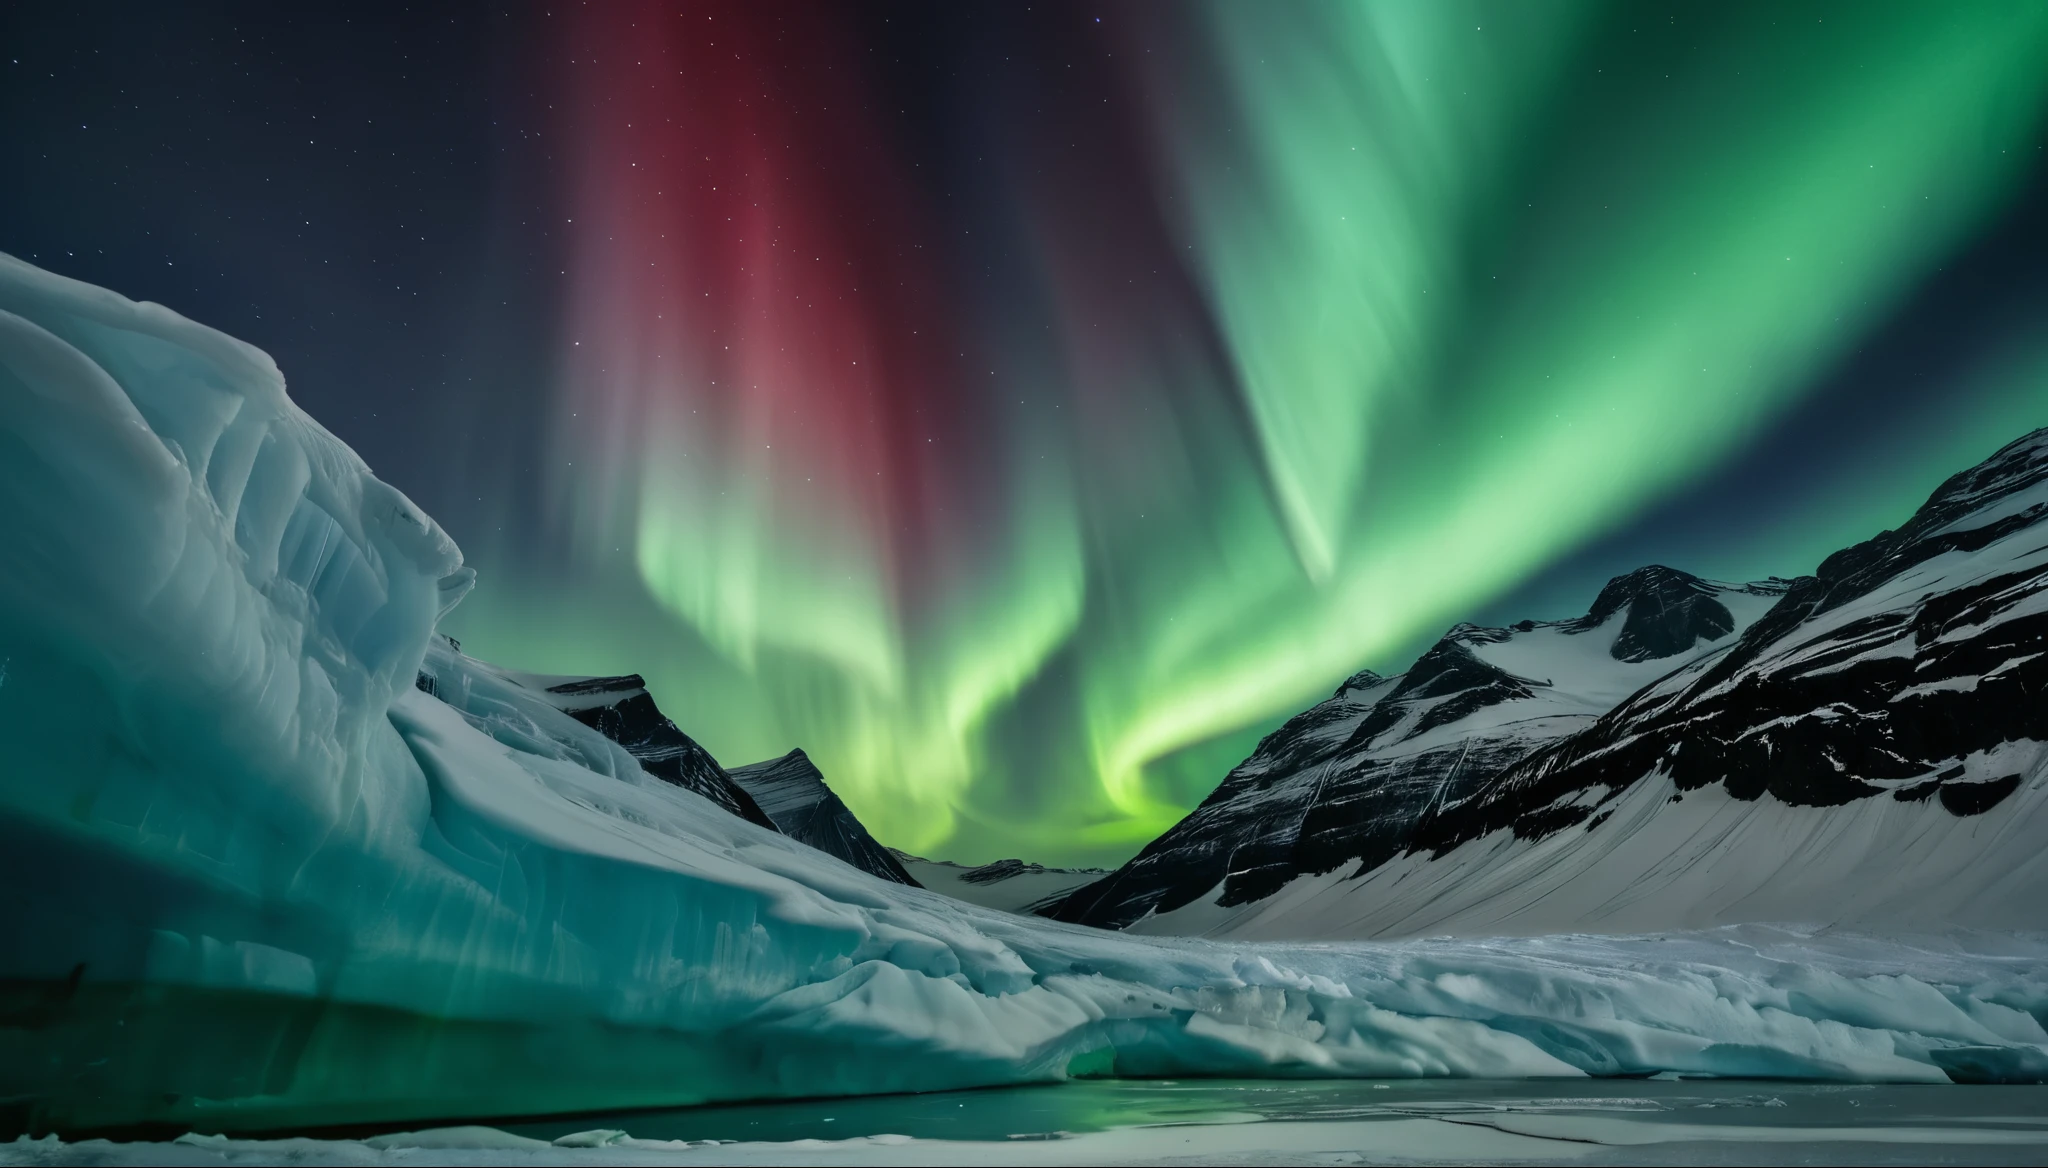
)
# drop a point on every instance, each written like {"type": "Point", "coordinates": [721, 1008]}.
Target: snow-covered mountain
{"type": "Point", "coordinates": [1347, 781]}
{"type": "Point", "coordinates": [794, 795]}
{"type": "Point", "coordinates": [1867, 752]}
{"type": "Point", "coordinates": [1009, 885]}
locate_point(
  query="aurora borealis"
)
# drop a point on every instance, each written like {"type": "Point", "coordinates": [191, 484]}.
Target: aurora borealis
{"type": "Point", "coordinates": [1021, 409]}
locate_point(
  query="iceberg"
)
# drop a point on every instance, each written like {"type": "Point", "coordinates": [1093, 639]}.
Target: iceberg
{"type": "Point", "coordinates": [258, 878]}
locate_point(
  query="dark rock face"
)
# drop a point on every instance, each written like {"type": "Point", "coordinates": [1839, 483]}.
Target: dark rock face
{"type": "Point", "coordinates": [1911, 667]}
{"type": "Point", "coordinates": [1348, 780]}
{"type": "Point", "coordinates": [1858, 684]}
{"type": "Point", "coordinates": [1668, 613]}
{"type": "Point", "coordinates": [621, 709]}
{"type": "Point", "coordinates": [793, 793]}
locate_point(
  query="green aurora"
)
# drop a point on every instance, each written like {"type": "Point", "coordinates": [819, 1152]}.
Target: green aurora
{"type": "Point", "coordinates": [1462, 289]}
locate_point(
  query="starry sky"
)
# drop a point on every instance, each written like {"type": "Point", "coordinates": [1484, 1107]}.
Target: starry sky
{"type": "Point", "coordinates": [1024, 407]}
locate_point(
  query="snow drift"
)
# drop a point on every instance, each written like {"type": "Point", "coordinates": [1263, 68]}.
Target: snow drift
{"type": "Point", "coordinates": [255, 877]}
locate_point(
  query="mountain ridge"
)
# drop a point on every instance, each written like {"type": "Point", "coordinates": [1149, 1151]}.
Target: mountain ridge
{"type": "Point", "coordinates": [1384, 750]}
{"type": "Point", "coordinates": [1907, 667]}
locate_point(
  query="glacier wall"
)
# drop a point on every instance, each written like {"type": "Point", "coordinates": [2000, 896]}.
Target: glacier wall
{"type": "Point", "coordinates": [254, 878]}
{"type": "Point", "coordinates": [206, 606]}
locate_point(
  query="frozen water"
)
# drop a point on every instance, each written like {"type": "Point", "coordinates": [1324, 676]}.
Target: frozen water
{"type": "Point", "coordinates": [1227, 1122]}
{"type": "Point", "coordinates": [255, 879]}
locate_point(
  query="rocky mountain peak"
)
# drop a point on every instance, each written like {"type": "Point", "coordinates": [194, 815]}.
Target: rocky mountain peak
{"type": "Point", "coordinates": [792, 791]}
{"type": "Point", "coordinates": [1450, 667]}
{"type": "Point", "coordinates": [1668, 612]}
{"type": "Point", "coordinates": [621, 709]}
{"type": "Point", "coordinates": [1970, 511]}
{"type": "Point", "coordinates": [1364, 679]}
{"type": "Point", "coordinates": [593, 686]}
{"type": "Point", "coordinates": [2016, 467]}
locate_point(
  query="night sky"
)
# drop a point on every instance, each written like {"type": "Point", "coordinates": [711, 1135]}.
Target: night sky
{"type": "Point", "coordinates": [1024, 407]}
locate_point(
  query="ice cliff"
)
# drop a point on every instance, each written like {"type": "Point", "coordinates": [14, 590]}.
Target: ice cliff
{"type": "Point", "coordinates": [255, 876]}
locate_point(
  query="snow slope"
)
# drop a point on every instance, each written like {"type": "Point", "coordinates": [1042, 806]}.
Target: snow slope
{"type": "Point", "coordinates": [255, 877]}
{"type": "Point", "coordinates": [1869, 753]}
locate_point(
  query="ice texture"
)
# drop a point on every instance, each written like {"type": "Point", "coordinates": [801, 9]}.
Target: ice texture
{"type": "Point", "coordinates": [256, 878]}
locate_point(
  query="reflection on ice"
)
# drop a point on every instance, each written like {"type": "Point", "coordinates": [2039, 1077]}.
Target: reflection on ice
{"type": "Point", "coordinates": [1225, 1122]}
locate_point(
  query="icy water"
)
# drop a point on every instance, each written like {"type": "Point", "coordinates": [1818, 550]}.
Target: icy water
{"type": "Point", "coordinates": [1225, 1122]}
{"type": "Point", "coordinates": [1587, 1121]}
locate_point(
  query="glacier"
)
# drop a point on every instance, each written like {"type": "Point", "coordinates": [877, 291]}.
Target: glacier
{"type": "Point", "coordinates": [258, 878]}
